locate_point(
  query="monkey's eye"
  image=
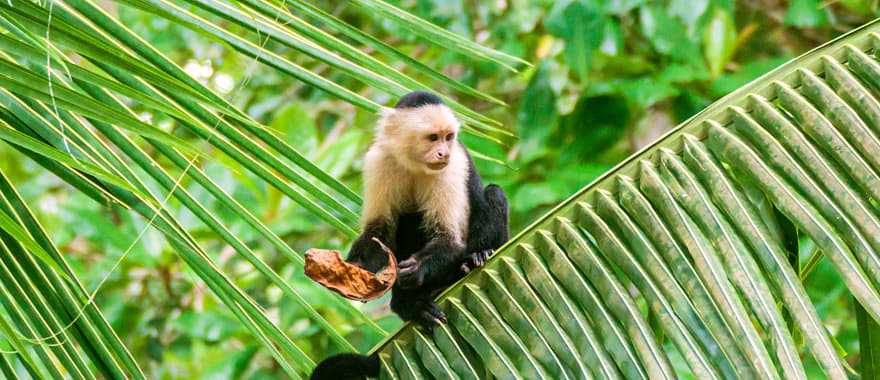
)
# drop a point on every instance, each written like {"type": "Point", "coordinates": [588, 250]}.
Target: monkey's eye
{"type": "Point", "coordinates": [450, 136]}
{"type": "Point", "coordinates": [433, 137]}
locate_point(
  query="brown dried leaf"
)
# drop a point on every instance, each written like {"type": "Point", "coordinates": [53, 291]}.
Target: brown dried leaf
{"type": "Point", "coordinates": [327, 268]}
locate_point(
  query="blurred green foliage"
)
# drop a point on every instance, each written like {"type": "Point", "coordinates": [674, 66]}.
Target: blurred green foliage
{"type": "Point", "coordinates": [609, 77]}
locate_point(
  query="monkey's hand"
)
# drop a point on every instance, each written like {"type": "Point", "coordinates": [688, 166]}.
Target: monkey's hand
{"type": "Point", "coordinates": [476, 260]}
{"type": "Point", "coordinates": [410, 273]}
{"type": "Point", "coordinates": [367, 253]}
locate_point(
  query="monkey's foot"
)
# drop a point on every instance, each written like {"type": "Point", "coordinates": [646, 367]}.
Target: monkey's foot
{"type": "Point", "coordinates": [430, 316]}
{"type": "Point", "coordinates": [476, 260]}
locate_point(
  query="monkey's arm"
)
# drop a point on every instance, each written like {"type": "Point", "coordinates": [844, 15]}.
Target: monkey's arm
{"type": "Point", "coordinates": [379, 215]}
{"type": "Point", "coordinates": [488, 228]}
{"type": "Point", "coordinates": [440, 259]}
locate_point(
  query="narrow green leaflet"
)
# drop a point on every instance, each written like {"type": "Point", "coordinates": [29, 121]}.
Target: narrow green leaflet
{"type": "Point", "coordinates": [440, 36]}
{"type": "Point", "coordinates": [8, 134]}
{"type": "Point", "coordinates": [12, 228]}
{"type": "Point", "coordinates": [37, 87]}
{"type": "Point", "coordinates": [332, 22]}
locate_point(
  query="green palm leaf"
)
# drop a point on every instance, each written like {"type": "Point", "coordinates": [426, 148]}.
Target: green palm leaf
{"type": "Point", "coordinates": [75, 117]}
{"type": "Point", "coordinates": [49, 305]}
{"type": "Point", "coordinates": [680, 228]}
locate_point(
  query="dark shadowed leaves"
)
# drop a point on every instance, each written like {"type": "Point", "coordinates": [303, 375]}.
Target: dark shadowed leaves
{"type": "Point", "coordinates": [596, 124]}
{"type": "Point", "coordinates": [537, 114]}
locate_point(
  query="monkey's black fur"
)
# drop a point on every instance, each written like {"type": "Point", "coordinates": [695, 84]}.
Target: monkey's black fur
{"type": "Point", "coordinates": [366, 252]}
{"type": "Point", "coordinates": [417, 99]}
{"type": "Point", "coordinates": [347, 366]}
{"type": "Point", "coordinates": [440, 268]}
{"type": "Point", "coordinates": [487, 230]}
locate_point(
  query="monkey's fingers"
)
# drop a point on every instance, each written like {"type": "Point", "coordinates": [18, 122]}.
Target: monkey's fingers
{"type": "Point", "coordinates": [408, 265]}
{"type": "Point", "coordinates": [407, 270]}
{"type": "Point", "coordinates": [437, 313]}
{"type": "Point", "coordinates": [431, 316]}
{"type": "Point", "coordinates": [479, 258]}
{"type": "Point", "coordinates": [410, 279]}
{"type": "Point", "coordinates": [427, 321]}
{"type": "Point", "coordinates": [409, 274]}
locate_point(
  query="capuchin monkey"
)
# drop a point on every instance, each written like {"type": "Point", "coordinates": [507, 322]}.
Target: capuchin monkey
{"type": "Point", "coordinates": [424, 197]}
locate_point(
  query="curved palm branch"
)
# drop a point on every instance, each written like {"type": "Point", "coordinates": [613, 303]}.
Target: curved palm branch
{"type": "Point", "coordinates": [680, 251]}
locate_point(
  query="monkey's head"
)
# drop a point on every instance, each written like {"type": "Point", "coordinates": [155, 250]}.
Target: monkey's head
{"type": "Point", "coordinates": [420, 132]}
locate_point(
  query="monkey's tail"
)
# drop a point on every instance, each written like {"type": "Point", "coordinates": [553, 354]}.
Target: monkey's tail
{"type": "Point", "coordinates": [347, 366]}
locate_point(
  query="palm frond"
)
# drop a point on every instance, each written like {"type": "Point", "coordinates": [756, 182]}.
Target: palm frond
{"type": "Point", "coordinates": [75, 117]}
{"type": "Point", "coordinates": [679, 233]}
{"type": "Point", "coordinates": [54, 316]}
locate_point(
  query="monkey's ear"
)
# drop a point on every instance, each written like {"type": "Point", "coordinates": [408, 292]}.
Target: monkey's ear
{"type": "Point", "coordinates": [386, 120]}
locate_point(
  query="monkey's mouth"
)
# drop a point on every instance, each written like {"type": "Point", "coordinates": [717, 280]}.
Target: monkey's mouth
{"type": "Point", "coordinates": [437, 165]}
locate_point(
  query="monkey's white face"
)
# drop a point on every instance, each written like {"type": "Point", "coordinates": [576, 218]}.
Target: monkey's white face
{"type": "Point", "coordinates": [422, 138]}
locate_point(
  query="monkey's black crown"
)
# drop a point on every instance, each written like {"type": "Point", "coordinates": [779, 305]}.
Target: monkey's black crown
{"type": "Point", "coordinates": [417, 99]}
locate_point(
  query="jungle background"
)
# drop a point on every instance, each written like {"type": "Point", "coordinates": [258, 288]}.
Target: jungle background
{"type": "Point", "coordinates": [608, 78]}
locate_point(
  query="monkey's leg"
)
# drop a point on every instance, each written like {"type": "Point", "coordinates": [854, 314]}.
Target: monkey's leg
{"type": "Point", "coordinates": [497, 216]}
{"type": "Point", "coordinates": [418, 306]}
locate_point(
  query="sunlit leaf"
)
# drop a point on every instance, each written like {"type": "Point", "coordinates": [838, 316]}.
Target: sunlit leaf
{"type": "Point", "coordinates": [806, 13]}
{"type": "Point", "coordinates": [719, 41]}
